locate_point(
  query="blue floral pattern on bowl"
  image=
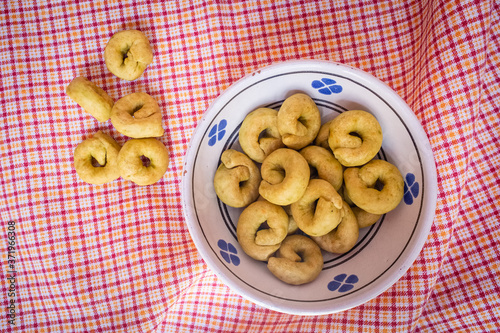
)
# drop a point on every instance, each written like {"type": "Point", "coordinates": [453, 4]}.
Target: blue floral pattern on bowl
{"type": "Point", "coordinates": [228, 252]}
{"type": "Point", "coordinates": [326, 86]}
{"type": "Point", "coordinates": [343, 283]}
{"type": "Point", "coordinates": [217, 132]}
{"type": "Point", "coordinates": [411, 189]}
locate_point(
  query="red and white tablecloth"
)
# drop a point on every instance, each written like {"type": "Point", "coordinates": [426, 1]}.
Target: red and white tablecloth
{"type": "Point", "coordinates": [118, 257]}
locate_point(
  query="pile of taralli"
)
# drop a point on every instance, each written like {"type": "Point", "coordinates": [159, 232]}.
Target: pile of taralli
{"type": "Point", "coordinates": [320, 179]}
{"type": "Point", "coordinates": [142, 159]}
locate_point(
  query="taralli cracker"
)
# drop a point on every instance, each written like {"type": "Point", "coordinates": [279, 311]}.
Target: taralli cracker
{"type": "Point", "coordinates": [323, 134]}
{"type": "Point", "coordinates": [299, 121]}
{"type": "Point", "coordinates": [285, 175]}
{"type": "Point", "coordinates": [127, 54]}
{"type": "Point", "coordinates": [364, 218]}
{"type": "Point", "coordinates": [292, 225]}
{"type": "Point", "coordinates": [298, 260]}
{"type": "Point", "coordinates": [355, 137]}
{"type": "Point", "coordinates": [319, 210]}
{"type": "Point", "coordinates": [237, 179]}
{"type": "Point", "coordinates": [137, 115]}
{"type": "Point", "coordinates": [261, 244]}
{"type": "Point", "coordinates": [343, 237]}
{"type": "Point", "coordinates": [134, 168]}
{"type": "Point", "coordinates": [96, 159]}
{"type": "Point", "coordinates": [360, 186]}
{"type": "Point", "coordinates": [91, 98]}
{"type": "Point", "coordinates": [259, 135]}
{"type": "Point", "coordinates": [325, 164]}
{"type": "Point", "coordinates": [345, 196]}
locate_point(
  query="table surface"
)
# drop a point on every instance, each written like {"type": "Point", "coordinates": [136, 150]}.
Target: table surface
{"type": "Point", "coordinates": [118, 257]}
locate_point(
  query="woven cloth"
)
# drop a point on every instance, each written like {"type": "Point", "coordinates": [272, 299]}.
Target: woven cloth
{"type": "Point", "coordinates": [118, 257]}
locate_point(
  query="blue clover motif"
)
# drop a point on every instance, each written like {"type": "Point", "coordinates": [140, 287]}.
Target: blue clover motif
{"type": "Point", "coordinates": [411, 189]}
{"type": "Point", "coordinates": [343, 283]}
{"type": "Point", "coordinates": [228, 252]}
{"type": "Point", "coordinates": [217, 132]}
{"type": "Point", "coordinates": [326, 86]}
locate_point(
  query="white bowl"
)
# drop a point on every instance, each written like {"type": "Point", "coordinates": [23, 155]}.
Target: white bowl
{"type": "Point", "coordinates": [384, 251]}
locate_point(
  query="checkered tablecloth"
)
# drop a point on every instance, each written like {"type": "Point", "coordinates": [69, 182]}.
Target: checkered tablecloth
{"type": "Point", "coordinates": [118, 257]}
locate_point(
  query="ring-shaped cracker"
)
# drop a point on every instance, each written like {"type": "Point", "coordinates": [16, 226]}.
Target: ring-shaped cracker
{"type": "Point", "coordinates": [134, 168]}
{"type": "Point", "coordinates": [90, 97]}
{"type": "Point", "coordinates": [137, 115]}
{"type": "Point", "coordinates": [298, 260]}
{"type": "Point", "coordinates": [355, 137]}
{"type": "Point", "coordinates": [101, 149]}
{"type": "Point", "coordinates": [327, 166]}
{"type": "Point", "coordinates": [361, 183]}
{"type": "Point", "coordinates": [261, 244]}
{"type": "Point", "coordinates": [323, 134]}
{"type": "Point", "coordinates": [292, 225]}
{"type": "Point", "coordinates": [285, 175]}
{"type": "Point", "coordinates": [259, 135]}
{"type": "Point", "coordinates": [127, 54]}
{"type": "Point", "coordinates": [319, 210]}
{"type": "Point", "coordinates": [344, 236]}
{"type": "Point", "coordinates": [299, 121]}
{"type": "Point", "coordinates": [364, 218]}
{"type": "Point", "coordinates": [343, 194]}
{"type": "Point", "coordinates": [237, 179]}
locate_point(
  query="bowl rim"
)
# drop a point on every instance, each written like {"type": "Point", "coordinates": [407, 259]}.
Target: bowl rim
{"type": "Point", "coordinates": [428, 168]}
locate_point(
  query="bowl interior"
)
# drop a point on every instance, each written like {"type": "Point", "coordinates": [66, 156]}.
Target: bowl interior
{"type": "Point", "coordinates": [384, 251]}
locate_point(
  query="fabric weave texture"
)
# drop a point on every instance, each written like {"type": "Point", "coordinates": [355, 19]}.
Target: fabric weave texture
{"type": "Point", "coordinates": [118, 257]}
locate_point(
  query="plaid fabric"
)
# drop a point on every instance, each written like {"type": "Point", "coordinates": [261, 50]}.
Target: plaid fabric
{"type": "Point", "coordinates": [118, 257]}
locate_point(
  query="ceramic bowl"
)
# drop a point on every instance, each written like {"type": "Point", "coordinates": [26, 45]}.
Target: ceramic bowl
{"type": "Point", "coordinates": [384, 251]}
